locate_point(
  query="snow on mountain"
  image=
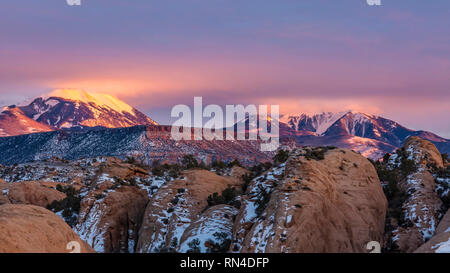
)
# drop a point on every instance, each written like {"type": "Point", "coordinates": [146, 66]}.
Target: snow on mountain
{"type": "Point", "coordinates": [71, 108]}
{"type": "Point", "coordinates": [103, 100]}
{"type": "Point", "coordinates": [13, 121]}
{"type": "Point", "coordinates": [369, 134]}
{"type": "Point", "coordinates": [317, 123]}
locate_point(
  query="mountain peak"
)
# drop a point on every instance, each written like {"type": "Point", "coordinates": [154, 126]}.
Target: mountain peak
{"type": "Point", "coordinates": [69, 108]}
{"type": "Point", "coordinates": [80, 95]}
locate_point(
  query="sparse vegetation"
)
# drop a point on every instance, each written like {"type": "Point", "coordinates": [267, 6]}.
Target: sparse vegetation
{"type": "Point", "coordinates": [280, 157]}
{"type": "Point", "coordinates": [317, 153]}
{"type": "Point", "coordinates": [255, 171]}
{"type": "Point", "coordinates": [390, 178]}
{"type": "Point", "coordinates": [262, 201]}
{"type": "Point", "coordinates": [219, 247]}
{"type": "Point", "coordinates": [227, 197]}
{"type": "Point", "coordinates": [70, 206]}
{"type": "Point", "coordinates": [194, 246]}
{"type": "Point", "coordinates": [189, 162]}
{"type": "Point", "coordinates": [100, 196]}
{"type": "Point", "coordinates": [172, 170]}
{"type": "Point", "coordinates": [234, 163]}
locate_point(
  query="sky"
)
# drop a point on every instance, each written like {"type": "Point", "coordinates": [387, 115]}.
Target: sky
{"type": "Point", "coordinates": [308, 56]}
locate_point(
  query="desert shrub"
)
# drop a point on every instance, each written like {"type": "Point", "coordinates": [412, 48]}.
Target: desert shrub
{"type": "Point", "coordinates": [100, 196]}
{"type": "Point", "coordinates": [445, 158]}
{"type": "Point", "coordinates": [70, 206]}
{"type": "Point", "coordinates": [172, 170]}
{"type": "Point", "coordinates": [218, 165]}
{"type": "Point", "coordinates": [221, 247]}
{"type": "Point", "coordinates": [189, 162]}
{"type": "Point", "coordinates": [280, 157]}
{"type": "Point", "coordinates": [194, 246]}
{"type": "Point", "coordinates": [262, 201]}
{"type": "Point", "coordinates": [131, 160]}
{"type": "Point", "coordinates": [227, 196]}
{"type": "Point", "coordinates": [234, 163]}
{"type": "Point", "coordinates": [255, 171]}
{"type": "Point", "coordinates": [317, 153]}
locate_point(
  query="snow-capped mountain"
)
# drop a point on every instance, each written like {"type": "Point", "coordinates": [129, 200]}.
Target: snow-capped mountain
{"type": "Point", "coordinates": [317, 123]}
{"type": "Point", "coordinates": [70, 108]}
{"type": "Point", "coordinates": [369, 134]}
{"type": "Point", "coordinates": [13, 121]}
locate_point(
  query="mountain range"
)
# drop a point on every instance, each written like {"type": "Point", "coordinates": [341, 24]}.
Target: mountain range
{"type": "Point", "coordinates": [69, 108]}
{"type": "Point", "coordinates": [368, 134]}
{"type": "Point", "coordinates": [74, 124]}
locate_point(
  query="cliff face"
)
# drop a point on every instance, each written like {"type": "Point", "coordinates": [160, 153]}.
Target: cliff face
{"type": "Point", "coordinates": [319, 201]}
{"type": "Point", "coordinates": [110, 221]}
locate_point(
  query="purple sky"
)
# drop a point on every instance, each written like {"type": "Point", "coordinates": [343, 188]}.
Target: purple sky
{"type": "Point", "coordinates": [307, 56]}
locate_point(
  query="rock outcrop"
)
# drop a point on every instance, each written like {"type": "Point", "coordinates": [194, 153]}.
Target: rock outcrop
{"type": "Point", "coordinates": [110, 221]}
{"type": "Point", "coordinates": [420, 209]}
{"type": "Point", "coordinates": [32, 193]}
{"type": "Point", "coordinates": [321, 200]}
{"type": "Point", "coordinates": [440, 242]}
{"type": "Point", "coordinates": [211, 232]}
{"type": "Point", "coordinates": [177, 205]}
{"type": "Point", "coordinates": [32, 229]}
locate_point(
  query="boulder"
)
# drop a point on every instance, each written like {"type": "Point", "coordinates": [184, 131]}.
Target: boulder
{"type": "Point", "coordinates": [33, 229]}
{"type": "Point", "coordinates": [423, 151]}
{"type": "Point", "coordinates": [33, 193]}
{"type": "Point", "coordinates": [323, 200]}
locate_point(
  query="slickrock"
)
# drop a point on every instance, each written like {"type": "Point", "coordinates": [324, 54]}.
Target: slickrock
{"type": "Point", "coordinates": [32, 229]}
{"type": "Point", "coordinates": [114, 167]}
{"type": "Point", "coordinates": [422, 205]}
{"type": "Point", "coordinates": [211, 232]}
{"type": "Point", "coordinates": [423, 151]}
{"type": "Point", "coordinates": [32, 193]}
{"type": "Point", "coordinates": [313, 204]}
{"type": "Point", "coordinates": [440, 242]}
{"type": "Point", "coordinates": [176, 205]}
{"type": "Point", "coordinates": [110, 221]}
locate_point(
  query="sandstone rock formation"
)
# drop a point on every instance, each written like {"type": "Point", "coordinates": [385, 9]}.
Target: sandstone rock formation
{"type": "Point", "coordinates": [114, 167]}
{"type": "Point", "coordinates": [110, 221]}
{"type": "Point", "coordinates": [27, 229]}
{"type": "Point", "coordinates": [423, 151]}
{"type": "Point", "coordinates": [440, 242]}
{"type": "Point", "coordinates": [422, 205]}
{"type": "Point", "coordinates": [176, 205]}
{"type": "Point", "coordinates": [33, 193]}
{"type": "Point", "coordinates": [321, 200]}
{"type": "Point", "coordinates": [211, 232]}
